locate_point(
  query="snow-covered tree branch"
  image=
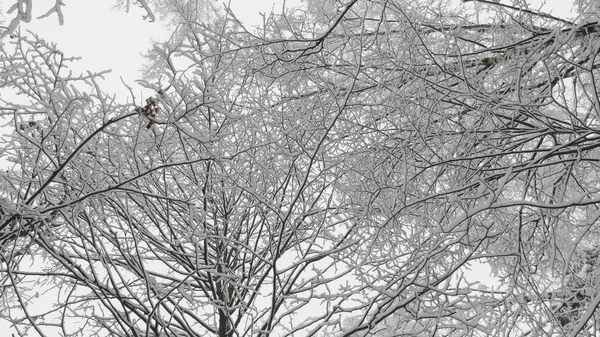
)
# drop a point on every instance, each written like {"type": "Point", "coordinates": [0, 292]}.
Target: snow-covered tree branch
{"type": "Point", "coordinates": [335, 172]}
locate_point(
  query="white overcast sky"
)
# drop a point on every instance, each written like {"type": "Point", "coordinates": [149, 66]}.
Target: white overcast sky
{"type": "Point", "coordinates": [105, 38]}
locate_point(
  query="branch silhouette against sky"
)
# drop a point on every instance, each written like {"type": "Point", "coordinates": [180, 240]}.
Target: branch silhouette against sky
{"type": "Point", "coordinates": [335, 168]}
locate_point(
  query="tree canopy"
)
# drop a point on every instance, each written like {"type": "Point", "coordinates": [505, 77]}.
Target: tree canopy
{"type": "Point", "coordinates": [333, 172]}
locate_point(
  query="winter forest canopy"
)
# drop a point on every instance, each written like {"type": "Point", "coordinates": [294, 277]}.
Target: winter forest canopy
{"type": "Point", "coordinates": [335, 171]}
